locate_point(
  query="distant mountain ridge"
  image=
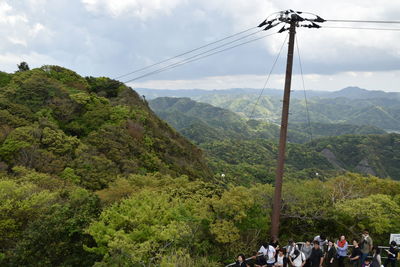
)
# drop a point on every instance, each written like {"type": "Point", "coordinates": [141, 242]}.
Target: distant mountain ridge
{"type": "Point", "coordinates": [351, 92]}
{"type": "Point", "coordinates": [202, 122]}
{"type": "Point", "coordinates": [351, 105]}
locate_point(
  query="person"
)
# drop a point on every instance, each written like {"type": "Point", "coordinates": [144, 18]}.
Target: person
{"type": "Point", "coordinates": [367, 263]}
{"type": "Point", "coordinates": [275, 244]}
{"type": "Point", "coordinates": [257, 260]}
{"type": "Point", "coordinates": [306, 249]}
{"type": "Point", "coordinates": [280, 260]}
{"type": "Point", "coordinates": [297, 258]}
{"type": "Point", "coordinates": [317, 256]}
{"type": "Point", "coordinates": [365, 245]}
{"type": "Point", "coordinates": [330, 254]}
{"type": "Point", "coordinates": [341, 248]}
{"type": "Point", "coordinates": [392, 254]}
{"type": "Point", "coordinates": [376, 258]}
{"type": "Point", "coordinates": [355, 254]}
{"type": "Point", "coordinates": [291, 247]}
{"type": "Point", "coordinates": [241, 261]}
{"type": "Point", "coordinates": [322, 241]}
{"type": "Point", "coordinates": [269, 253]}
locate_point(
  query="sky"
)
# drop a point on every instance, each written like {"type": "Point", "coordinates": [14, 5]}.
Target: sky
{"type": "Point", "coordinates": [114, 37]}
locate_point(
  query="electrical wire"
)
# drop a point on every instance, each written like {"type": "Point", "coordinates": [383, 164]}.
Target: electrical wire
{"type": "Point", "coordinates": [304, 89]}
{"type": "Point", "coordinates": [364, 21]}
{"type": "Point", "coordinates": [185, 53]}
{"type": "Point", "coordinates": [195, 58]}
{"type": "Point", "coordinates": [268, 77]}
{"type": "Point", "coordinates": [361, 28]}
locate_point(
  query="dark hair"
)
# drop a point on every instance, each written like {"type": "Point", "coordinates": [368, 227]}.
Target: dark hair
{"type": "Point", "coordinates": [322, 237]}
{"type": "Point", "coordinates": [367, 259]}
{"type": "Point", "coordinates": [241, 255]}
{"type": "Point", "coordinates": [316, 242]}
{"type": "Point", "coordinates": [393, 243]}
{"type": "Point", "coordinates": [366, 231]}
{"type": "Point", "coordinates": [355, 240]}
{"type": "Point", "coordinates": [377, 250]}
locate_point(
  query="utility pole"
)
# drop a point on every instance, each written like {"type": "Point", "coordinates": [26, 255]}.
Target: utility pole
{"type": "Point", "coordinates": [276, 209]}
{"type": "Point", "coordinates": [293, 19]}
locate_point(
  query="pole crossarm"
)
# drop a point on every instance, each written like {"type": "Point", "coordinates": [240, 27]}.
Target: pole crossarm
{"type": "Point", "coordinates": [287, 17]}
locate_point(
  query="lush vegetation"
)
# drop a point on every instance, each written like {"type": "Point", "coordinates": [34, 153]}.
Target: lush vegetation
{"type": "Point", "coordinates": [89, 176]}
{"type": "Point", "coordinates": [245, 150]}
{"type": "Point", "coordinates": [349, 106]}
{"type": "Point", "coordinates": [202, 123]}
{"type": "Point", "coordinates": [87, 130]}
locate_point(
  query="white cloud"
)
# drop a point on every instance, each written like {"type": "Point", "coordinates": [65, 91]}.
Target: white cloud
{"type": "Point", "coordinates": [142, 9]}
{"type": "Point", "coordinates": [9, 61]}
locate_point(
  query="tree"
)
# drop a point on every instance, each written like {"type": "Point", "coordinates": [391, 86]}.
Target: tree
{"type": "Point", "coordinates": [23, 66]}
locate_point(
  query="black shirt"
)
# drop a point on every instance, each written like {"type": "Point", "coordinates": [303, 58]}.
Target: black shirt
{"type": "Point", "coordinates": [392, 251]}
{"type": "Point", "coordinates": [315, 257]}
{"type": "Point", "coordinates": [356, 252]}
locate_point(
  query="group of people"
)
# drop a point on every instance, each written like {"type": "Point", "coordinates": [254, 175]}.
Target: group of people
{"type": "Point", "coordinates": [321, 252]}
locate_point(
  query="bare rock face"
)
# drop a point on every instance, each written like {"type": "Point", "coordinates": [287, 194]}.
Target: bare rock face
{"type": "Point", "coordinates": [364, 167]}
{"type": "Point", "coordinates": [328, 154]}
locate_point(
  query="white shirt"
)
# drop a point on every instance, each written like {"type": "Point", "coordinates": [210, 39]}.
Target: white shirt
{"type": "Point", "coordinates": [299, 260]}
{"type": "Point", "coordinates": [270, 251]}
{"type": "Point", "coordinates": [279, 260]}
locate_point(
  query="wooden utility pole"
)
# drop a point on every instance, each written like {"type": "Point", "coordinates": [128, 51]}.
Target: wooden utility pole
{"type": "Point", "coordinates": [276, 209]}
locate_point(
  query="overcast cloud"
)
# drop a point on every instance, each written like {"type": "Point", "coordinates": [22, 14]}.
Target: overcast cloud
{"type": "Point", "coordinates": [113, 37]}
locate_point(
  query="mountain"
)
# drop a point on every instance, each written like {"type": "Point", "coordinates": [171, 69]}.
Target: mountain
{"type": "Point", "coordinates": [201, 123]}
{"type": "Point", "coordinates": [377, 155]}
{"type": "Point", "coordinates": [359, 93]}
{"type": "Point", "coordinates": [91, 129]}
{"type": "Point", "coordinates": [245, 150]}
{"type": "Point", "coordinates": [351, 105]}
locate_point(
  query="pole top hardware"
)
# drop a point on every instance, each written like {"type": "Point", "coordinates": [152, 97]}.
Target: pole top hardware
{"type": "Point", "coordinates": [288, 17]}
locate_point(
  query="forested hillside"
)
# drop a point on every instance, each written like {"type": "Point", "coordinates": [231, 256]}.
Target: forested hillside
{"type": "Point", "coordinates": [89, 130]}
{"type": "Point", "coordinates": [351, 105]}
{"type": "Point", "coordinates": [201, 122]}
{"type": "Point", "coordinates": [245, 150]}
{"type": "Point", "coordinates": [90, 176]}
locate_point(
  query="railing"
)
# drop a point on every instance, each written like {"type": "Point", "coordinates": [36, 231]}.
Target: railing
{"type": "Point", "coordinates": [302, 243]}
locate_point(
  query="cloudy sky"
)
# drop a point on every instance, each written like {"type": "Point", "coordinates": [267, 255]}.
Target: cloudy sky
{"type": "Point", "coordinates": [113, 37]}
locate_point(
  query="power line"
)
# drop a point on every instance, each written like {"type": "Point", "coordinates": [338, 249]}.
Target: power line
{"type": "Point", "coordinates": [185, 53]}
{"type": "Point", "coordinates": [268, 77]}
{"type": "Point", "coordinates": [196, 57]}
{"type": "Point", "coordinates": [361, 28]}
{"type": "Point", "coordinates": [364, 21]}
{"type": "Point", "coordinates": [304, 89]}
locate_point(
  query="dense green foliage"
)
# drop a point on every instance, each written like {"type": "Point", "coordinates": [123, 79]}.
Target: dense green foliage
{"type": "Point", "coordinates": [42, 220]}
{"type": "Point", "coordinates": [204, 123]}
{"type": "Point", "coordinates": [89, 176]}
{"type": "Point", "coordinates": [237, 147]}
{"type": "Point", "coordinates": [166, 216]}
{"type": "Point", "coordinates": [382, 111]}
{"type": "Point", "coordinates": [88, 130]}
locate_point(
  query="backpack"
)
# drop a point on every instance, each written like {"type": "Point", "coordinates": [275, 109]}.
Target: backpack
{"type": "Point", "coordinates": [266, 256]}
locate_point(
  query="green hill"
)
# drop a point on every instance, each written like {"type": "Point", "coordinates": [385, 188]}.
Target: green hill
{"type": "Point", "coordinates": [202, 123]}
{"type": "Point", "coordinates": [88, 129]}
{"type": "Point", "coordinates": [245, 150]}
{"type": "Point", "coordinates": [89, 176]}
{"type": "Point", "coordinates": [350, 105]}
